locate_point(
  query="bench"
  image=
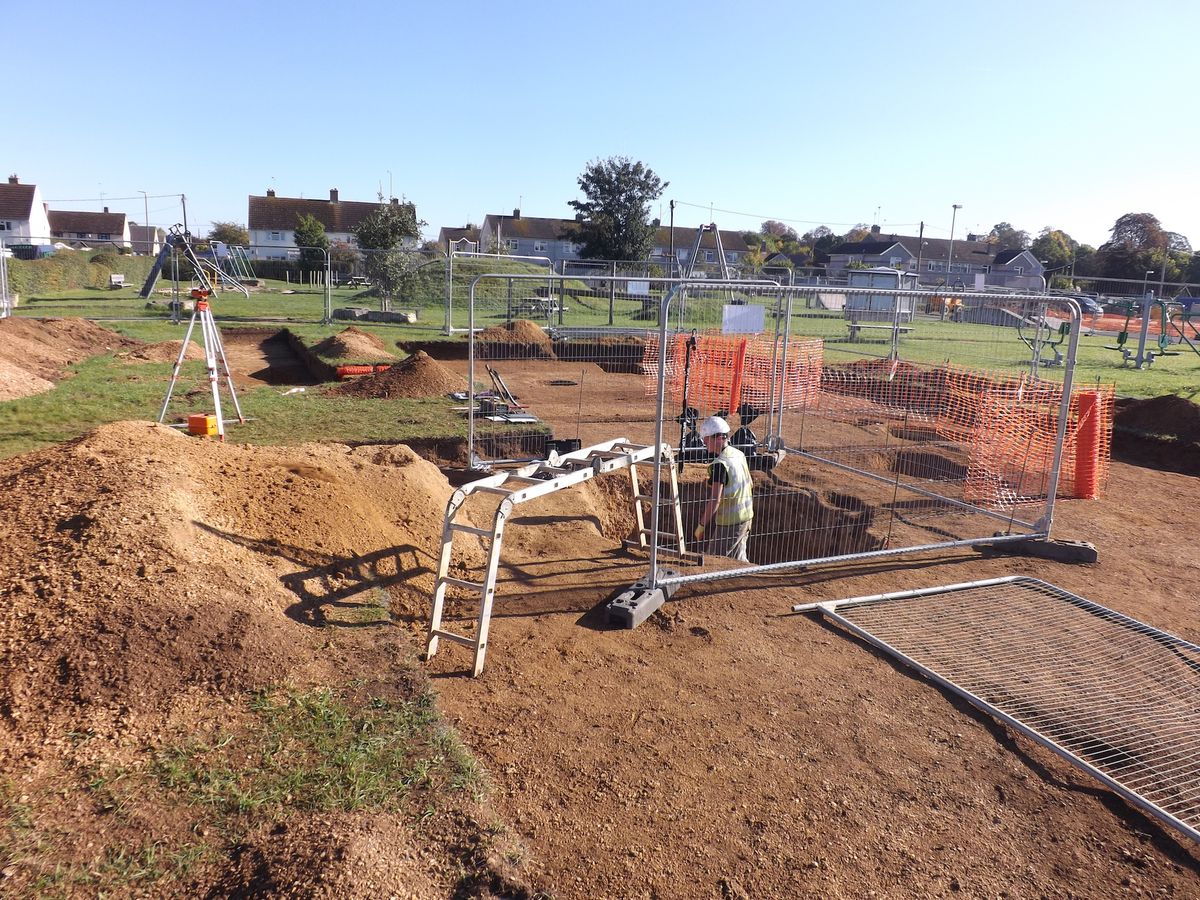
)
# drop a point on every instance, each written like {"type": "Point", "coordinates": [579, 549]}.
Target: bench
{"type": "Point", "coordinates": [540, 305]}
{"type": "Point", "coordinates": [857, 327]}
{"type": "Point", "coordinates": [358, 281]}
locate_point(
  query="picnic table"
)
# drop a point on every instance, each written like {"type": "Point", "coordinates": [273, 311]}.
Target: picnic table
{"type": "Point", "coordinates": [358, 281]}
{"type": "Point", "coordinates": [857, 327]}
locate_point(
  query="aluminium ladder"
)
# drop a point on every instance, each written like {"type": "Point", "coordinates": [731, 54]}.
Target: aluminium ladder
{"type": "Point", "coordinates": [559, 471]}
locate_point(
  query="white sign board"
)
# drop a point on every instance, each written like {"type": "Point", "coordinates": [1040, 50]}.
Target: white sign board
{"type": "Point", "coordinates": [638, 288]}
{"type": "Point", "coordinates": [743, 319]}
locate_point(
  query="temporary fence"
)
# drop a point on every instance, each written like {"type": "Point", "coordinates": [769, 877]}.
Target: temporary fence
{"type": "Point", "coordinates": [938, 426]}
{"type": "Point", "coordinates": [1112, 695]}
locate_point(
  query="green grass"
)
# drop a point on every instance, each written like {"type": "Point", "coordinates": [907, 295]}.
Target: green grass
{"type": "Point", "coordinates": [104, 389]}
{"type": "Point", "coordinates": [318, 750]}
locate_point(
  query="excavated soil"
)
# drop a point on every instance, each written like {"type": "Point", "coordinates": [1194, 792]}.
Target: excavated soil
{"type": "Point", "coordinates": [418, 376]}
{"type": "Point", "coordinates": [519, 338]}
{"type": "Point", "coordinates": [1160, 433]}
{"type": "Point", "coordinates": [35, 352]}
{"type": "Point", "coordinates": [352, 343]}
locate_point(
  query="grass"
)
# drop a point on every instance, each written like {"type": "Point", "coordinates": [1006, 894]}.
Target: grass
{"type": "Point", "coordinates": [302, 751]}
{"type": "Point", "coordinates": [104, 389]}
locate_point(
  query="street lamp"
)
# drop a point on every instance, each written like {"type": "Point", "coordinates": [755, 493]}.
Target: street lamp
{"type": "Point", "coordinates": [950, 254]}
{"type": "Point", "coordinates": [1145, 282]}
{"type": "Point", "coordinates": [146, 221]}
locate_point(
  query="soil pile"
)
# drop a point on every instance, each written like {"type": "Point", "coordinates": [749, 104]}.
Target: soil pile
{"type": "Point", "coordinates": [151, 580]}
{"type": "Point", "coordinates": [163, 351]}
{"type": "Point", "coordinates": [33, 352]}
{"type": "Point", "coordinates": [519, 339]}
{"type": "Point", "coordinates": [353, 343]}
{"type": "Point", "coordinates": [1168, 416]}
{"type": "Point", "coordinates": [418, 376]}
{"type": "Point", "coordinates": [16, 382]}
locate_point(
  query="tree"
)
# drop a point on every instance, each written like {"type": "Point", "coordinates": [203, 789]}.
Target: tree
{"type": "Point", "coordinates": [229, 233]}
{"type": "Point", "coordinates": [857, 233]}
{"type": "Point", "coordinates": [312, 241]}
{"type": "Point", "coordinates": [1055, 248]}
{"type": "Point", "coordinates": [614, 218]}
{"type": "Point", "coordinates": [343, 257]}
{"type": "Point", "coordinates": [380, 236]}
{"type": "Point", "coordinates": [1139, 244]}
{"type": "Point", "coordinates": [1006, 237]}
{"type": "Point", "coordinates": [784, 232]}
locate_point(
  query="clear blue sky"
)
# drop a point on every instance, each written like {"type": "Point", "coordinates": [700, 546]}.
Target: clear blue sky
{"type": "Point", "coordinates": [1036, 113]}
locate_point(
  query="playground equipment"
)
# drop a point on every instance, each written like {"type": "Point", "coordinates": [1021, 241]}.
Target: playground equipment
{"type": "Point", "coordinates": [207, 269]}
{"type": "Point", "coordinates": [1149, 307]}
{"type": "Point", "coordinates": [1047, 335]}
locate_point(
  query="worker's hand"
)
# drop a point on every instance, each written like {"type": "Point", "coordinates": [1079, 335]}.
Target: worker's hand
{"type": "Point", "coordinates": [698, 534]}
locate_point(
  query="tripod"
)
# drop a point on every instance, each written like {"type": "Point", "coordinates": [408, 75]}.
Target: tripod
{"type": "Point", "coordinates": [213, 349]}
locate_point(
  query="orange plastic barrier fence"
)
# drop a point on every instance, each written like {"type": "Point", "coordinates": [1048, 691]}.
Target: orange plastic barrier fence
{"type": "Point", "coordinates": [728, 370]}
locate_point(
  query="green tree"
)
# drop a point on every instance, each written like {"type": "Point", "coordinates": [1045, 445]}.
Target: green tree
{"type": "Point", "coordinates": [381, 237]}
{"type": "Point", "coordinates": [614, 216]}
{"type": "Point", "coordinates": [343, 257]}
{"type": "Point", "coordinates": [229, 233]}
{"type": "Point", "coordinates": [1007, 237]}
{"type": "Point", "coordinates": [1054, 247]}
{"type": "Point", "coordinates": [312, 241]}
{"type": "Point", "coordinates": [1139, 244]}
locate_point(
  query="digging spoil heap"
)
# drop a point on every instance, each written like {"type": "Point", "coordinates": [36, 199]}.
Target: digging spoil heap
{"type": "Point", "coordinates": [35, 352]}
{"type": "Point", "coordinates": [152, 583]}
{"type": "Point", "coordinates": [518, 339]}
{"type": "Point", "coordinates": [1162, 432]}
{"type": "Point", "coordinates": [419, 376]}
{"type": "Point", "coordinates": [353, 344]}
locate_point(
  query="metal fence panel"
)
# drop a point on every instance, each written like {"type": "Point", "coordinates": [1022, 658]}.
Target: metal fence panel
{"type": "Point", "coordinates": [1116, 697]}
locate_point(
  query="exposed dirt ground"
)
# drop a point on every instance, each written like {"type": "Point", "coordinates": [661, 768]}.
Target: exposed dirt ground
{"type": "Point", "coordinates": [34, 353]}
{"type": "Point", "coordinates": [726, 748]}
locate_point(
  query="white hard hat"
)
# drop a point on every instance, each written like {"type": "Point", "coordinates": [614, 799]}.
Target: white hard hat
{"type": "Point", "coordinates": [713, 425]}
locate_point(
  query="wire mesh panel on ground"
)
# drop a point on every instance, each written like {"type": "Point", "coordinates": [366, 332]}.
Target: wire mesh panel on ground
{"type": "Point", "coordinates": [1113, 695]}
{"type": "Point", "coordinates": [910, 420]}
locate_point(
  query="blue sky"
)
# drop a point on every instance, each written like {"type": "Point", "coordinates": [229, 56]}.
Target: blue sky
{"type": "Point", "coordinates": [1053, 113]}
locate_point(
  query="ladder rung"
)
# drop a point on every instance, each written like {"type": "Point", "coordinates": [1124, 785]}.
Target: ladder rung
{"type": "Point", "coordinates": [458, 582]}
{"type": "Point", "coordinates": [457, 638]}
{"type": "Point", "coordinates": [488, 489]}
{"type": "Point", "coordinates": [528, 479]}
{"type": "Point", "coordinates": [471, 529]}
{"type": "Point", "coordinates": [663, 535]}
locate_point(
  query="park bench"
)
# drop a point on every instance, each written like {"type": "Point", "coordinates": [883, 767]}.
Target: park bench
{"type": "Point", "coordinates": [856, 329]}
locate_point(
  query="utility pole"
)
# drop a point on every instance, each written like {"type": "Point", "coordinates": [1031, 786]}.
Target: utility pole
{"type": "Point", "coordinates": [950, 255]}
{"type": "Point", "coordinates": [920, 250]}
{"type": "Point", "coordinates": [146, 221]}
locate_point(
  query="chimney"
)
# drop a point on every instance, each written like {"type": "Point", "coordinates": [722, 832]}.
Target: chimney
{"type": "Point", "coordinates": [106, 209]}
{"type": "Point", "coordinates": [395, 201]}
{"type": "Point", "coordinates": [333, 195]}
{"type": "Point", "coordinates": [516, 214]}
{"type": "Point", "coordinates": [656, 222]}
{"type": "Point", "coordinates": [12, 179]}
{"type": "Point", "coordinates": [874, 229]}
{"type": "Point", "coordinates": [270, 192]}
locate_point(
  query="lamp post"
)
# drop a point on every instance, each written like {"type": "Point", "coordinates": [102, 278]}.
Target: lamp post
{"type": "Point", "coordinates": [1146, 282]}
{"type": "Point", "coordinates": [950, 254]}
{"type": "Point", "coordinates": [146, 221]}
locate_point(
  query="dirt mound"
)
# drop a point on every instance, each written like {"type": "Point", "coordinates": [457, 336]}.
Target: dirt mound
{"type": "Point", "coordinates": [1168, 416]}
{"type": "Point", "coordinates": [418, 376]}
{"type": "Point", "coordinates": [520, 338]}
{"type": "Point", "coordinates": [44, 346]}
{"type": "Point", "coordinates": [163, 351]}
{"type": "Point", "coordinates": [353, 343]}
{"type": "Point", "coordinates": [16, 382]}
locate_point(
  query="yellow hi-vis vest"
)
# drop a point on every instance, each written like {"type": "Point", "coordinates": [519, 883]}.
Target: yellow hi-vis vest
{"type": "Point", "coordinates": [736, 504]}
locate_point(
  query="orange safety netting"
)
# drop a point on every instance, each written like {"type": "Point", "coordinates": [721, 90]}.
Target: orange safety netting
{"type": "Point", "coordinates": [726, 371]}
{"type": "Point", "coordinates": [1006, 425]}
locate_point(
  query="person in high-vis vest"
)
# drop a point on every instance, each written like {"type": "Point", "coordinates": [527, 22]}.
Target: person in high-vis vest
{"type": "Point", "coordinates": [725, 520]}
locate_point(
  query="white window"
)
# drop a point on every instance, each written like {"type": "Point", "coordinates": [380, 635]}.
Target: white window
{"type": "Point", "coordinates": [895, 261]}
{"type": "Point", "coordinates": [1020, 270]}
{"type": "Point", "coordinates": [105, 236]}
{"type": "Point", "coordinates": [275, 236]}
{"type": "Point", "coordinates": [539, 246]}
{"type": "Point", "coordinates": [709, 256]}
{"type": "Point", "coordinates": [6, 226]}
{"type": "Point", "coordinates": [932, 266]}
{"type": "Point", "coordinates": [731, 256]}
{"type": "Point", "coordinates": [511, 243]}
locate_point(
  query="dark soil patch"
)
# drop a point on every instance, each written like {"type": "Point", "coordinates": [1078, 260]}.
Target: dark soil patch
{"type": "Point", "coordinates": [1167, 416]}
{"type": "Point", "coordinates": [418, 376]}
{"type": "Point", "coordinates": [926, 465]}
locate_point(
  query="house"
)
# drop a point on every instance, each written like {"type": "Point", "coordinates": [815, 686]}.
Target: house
{"type": "Point", "coordinates": [272, 220]}
{"type": "Point", "coordinates": [976, 264]}
{"type": "Point", "coordinates": [23, 217]}
{"type": "Point", "coordinates": [463, 239]}
{"type": "Point", "coordinates": [77, 227]}
{"type": "Point", "coordinates": [147, 240]}
{"type": "Point", "coordinates": [519, 235]}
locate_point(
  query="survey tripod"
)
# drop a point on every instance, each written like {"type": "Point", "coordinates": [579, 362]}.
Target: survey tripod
{"type": "Point", "coordinates": [210, 339]}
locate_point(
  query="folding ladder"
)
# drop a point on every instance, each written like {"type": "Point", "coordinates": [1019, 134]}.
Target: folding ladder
{"type": "Point", "coordinates": [518, 486]}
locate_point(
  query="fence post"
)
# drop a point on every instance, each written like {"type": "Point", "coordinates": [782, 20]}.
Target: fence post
{"type": "Point", "coordinates": [612, 293]}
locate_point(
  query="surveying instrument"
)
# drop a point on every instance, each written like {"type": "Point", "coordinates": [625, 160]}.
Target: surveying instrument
{"type": "Point", "coordinates": [210, 338]}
